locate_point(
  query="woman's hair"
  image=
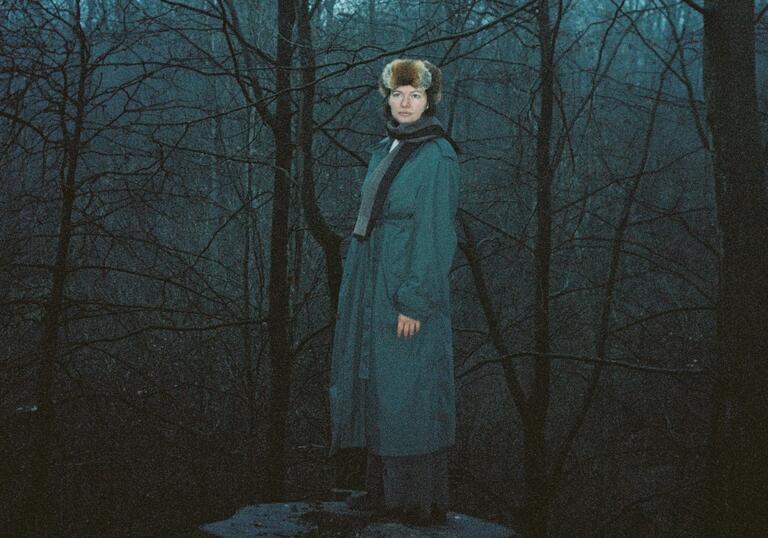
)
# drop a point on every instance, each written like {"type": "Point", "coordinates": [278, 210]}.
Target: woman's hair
{"type": "Point", "coordinates": [417, 73]}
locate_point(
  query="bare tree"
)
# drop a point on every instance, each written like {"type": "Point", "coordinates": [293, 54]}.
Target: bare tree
{"type": "Point", "coordinates": [738, 479]}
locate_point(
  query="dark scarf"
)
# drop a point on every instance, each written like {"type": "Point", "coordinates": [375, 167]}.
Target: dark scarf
{"type": "Point", "coordinates": [411, 136]}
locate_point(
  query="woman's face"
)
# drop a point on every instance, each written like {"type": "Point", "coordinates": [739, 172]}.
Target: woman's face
{"type": "Point", "coordinates": [407, 103]}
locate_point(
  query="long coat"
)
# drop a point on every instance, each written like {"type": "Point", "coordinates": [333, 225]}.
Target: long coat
{"type": "Point", "coordinates": [391, 394]}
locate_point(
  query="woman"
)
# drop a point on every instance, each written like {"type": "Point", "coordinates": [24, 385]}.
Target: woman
{"type": "Point", "coordinates": [392, 387]}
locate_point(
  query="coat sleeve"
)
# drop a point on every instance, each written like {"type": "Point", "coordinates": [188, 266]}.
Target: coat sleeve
{"type": "Point", "coordinates": [426, 285]}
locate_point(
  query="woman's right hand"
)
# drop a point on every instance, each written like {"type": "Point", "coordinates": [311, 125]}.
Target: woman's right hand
{"type": "Point", "coordinates": [407, 327]}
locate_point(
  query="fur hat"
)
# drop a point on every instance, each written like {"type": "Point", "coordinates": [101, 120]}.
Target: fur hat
{"type": "Point", "coordinates": [417, 73]}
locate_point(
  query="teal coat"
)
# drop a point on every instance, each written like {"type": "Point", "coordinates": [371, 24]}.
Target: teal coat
{"type": "Point", "coordinates": [393, 395]}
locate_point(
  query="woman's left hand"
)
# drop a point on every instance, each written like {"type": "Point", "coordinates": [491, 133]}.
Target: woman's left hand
{"type": "Point", "coordinates": [407, 327]}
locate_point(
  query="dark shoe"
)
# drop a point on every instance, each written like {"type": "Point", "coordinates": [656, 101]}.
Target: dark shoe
{"type": "Point", "coordinates": [435, 518]}
{"type": "Point", "coordinates": [387, 514]}
{"type": "Point", "coordinates": [362, 503]}
{"type": "Point", "coordinates": [418, 519]}
{"type": "Point", "coordinates": [439, 517]}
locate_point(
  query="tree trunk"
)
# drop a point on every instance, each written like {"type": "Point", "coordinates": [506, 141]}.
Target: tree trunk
{"type": "Point", "coordinates": [329, 241]}
{"type": "Point", "coordinates": [246, 331]}
{"type": "Point", "coordinates": [278, 319]}
{"type": "Point", "coordinates": [40, 509]}
{"type": "Point", "coordinates": [737, 491]}
{"type": "Point", "coordinates": [535, 420]}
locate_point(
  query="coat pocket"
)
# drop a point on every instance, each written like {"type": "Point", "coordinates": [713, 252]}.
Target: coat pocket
{"type": "Point", "coordinates": [394, 257]}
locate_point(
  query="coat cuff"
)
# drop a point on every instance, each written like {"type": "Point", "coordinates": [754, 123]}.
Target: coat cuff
{"type": "Point", "coordinates": [416, 309]}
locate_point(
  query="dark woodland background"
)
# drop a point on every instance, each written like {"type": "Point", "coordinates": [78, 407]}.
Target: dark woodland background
{"type": "Point", "coordinates": [178, 177]}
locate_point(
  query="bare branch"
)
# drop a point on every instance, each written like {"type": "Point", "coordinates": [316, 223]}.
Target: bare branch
{"type": "Point", "coordinates": [695, 6]}
{"type": "Point", "coordinates": [582, 358]}
{"type": "Point", "coordinates": [761, 13]}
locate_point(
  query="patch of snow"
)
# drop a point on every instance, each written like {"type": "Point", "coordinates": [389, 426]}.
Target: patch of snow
{"type": "Point", "coordinates": [301, 518]}
{"type": "Point", "coordinates": [274, 519]}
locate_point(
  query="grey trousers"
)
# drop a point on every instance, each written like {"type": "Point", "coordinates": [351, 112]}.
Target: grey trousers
{"type": "Point", "coordinates": [410, 484]}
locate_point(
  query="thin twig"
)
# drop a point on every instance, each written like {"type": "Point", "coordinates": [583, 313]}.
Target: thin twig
{"type": "Point", "coordinates": [696, 6]}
